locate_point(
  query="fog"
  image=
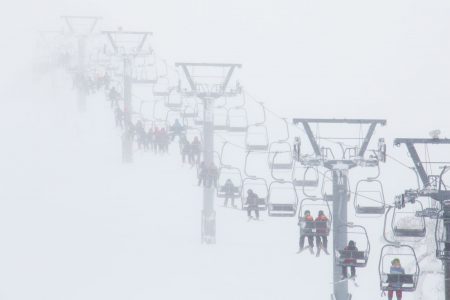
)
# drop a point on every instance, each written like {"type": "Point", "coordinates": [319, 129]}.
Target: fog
{"type": "Point", "coordinates": [77, 223]}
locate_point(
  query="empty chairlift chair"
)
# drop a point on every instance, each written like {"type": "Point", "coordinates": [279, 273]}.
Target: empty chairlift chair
{"type": "Point", "coordinates": [237, 120]}
{"type": "Point", "coordinates": [174, 100]}
{"type": "Point", "coordinates": [405, 223]}
{"type": "Point", "coordinates": [220, 118]}
{"type": "Point", "coordinates": [280, 156]}
{"type": "Point", "coordinates": [162, 87]}
{"type": "Point", "coordinates": [369, 197]}
{"type": "Point", "coordinates": [350, 257]}
{"type": "Point", "coordinates": [257, 138]}
{"type": "Point", "coordinates": [305, 176]}
{"type": "Point", "coordinates": [258, 186]}
{"type": "Point", "coordinates": [282, 199]}
{"type": "Point", "coordinates": [314, 228]}
{"type": "Point", "coordinates": [403, 276]}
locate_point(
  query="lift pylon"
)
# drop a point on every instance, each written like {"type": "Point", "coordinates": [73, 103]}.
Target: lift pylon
{"type": "Point", "coordinates": [128, 45]}
{"type": "Point", "coordinates": [433, 186]}
{"type": "Point", "coordinates": [204, 82]}
{"type": "Point", "coordinates": [339, 167]}
{"type": "Point", "coordinates": [81, 27]}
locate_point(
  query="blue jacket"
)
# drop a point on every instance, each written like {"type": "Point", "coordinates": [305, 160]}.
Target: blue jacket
{"type": "Point", "coordinates": [396, 270]}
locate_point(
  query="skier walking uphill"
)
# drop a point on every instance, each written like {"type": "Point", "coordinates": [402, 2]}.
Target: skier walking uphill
{"type": "Point", "coordinates": [252, 204]}
{"type": "Point", "coordinates": [396, 268]}
{"type": "Point", "coordinates": [350, 247]}
{"type": "Point", "coordinates": [321, 233]}
{"type": "Point", "coordinates": [308, 221]}
{"type": "Point", "coordinates": [229, 189]}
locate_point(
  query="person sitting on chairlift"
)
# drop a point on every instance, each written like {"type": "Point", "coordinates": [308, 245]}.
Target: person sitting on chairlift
{"type": "Point", "coordinates": [321, 231]}
{"type": "Point", "coordinates": [396, 268]}
{"type": "Point", "coordinates": [348, 261]}
{"type": "Point", "coordinates": [307, 231]}
{"type": "Point", "coordinates": [229, 189]}
{"type": "Point", "coordinates": [176, 129]}
{"type": "Point", "coordinates": [252, 204]}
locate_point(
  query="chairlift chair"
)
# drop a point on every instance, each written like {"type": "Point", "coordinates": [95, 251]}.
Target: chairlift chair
{"type": "Point", "coordinates": [162, 87]}
{"type": "Point", "coordinates": [234, 174]}
{"type": "Point", "coordinates": [390, 281]}
{"type": "Point", "coordinates": [404, 222]}
{"type": "Point", "coordinates": [282, 199]}
{"type": "Point", "coordinates": [237, 120]}
{"type": "Point", "coordinates": [305, 176]}
{"type": "Point", "coordinates": [280, 156]}
{"type": "Point", "coordinates": [174, 100]}
{"type": "Point", "coordinates": [220, 118]}
{"type": "Point", "coordinates": [442, 236]}
{"type": "Point", "coordinates": [314, 228]}
{"type": "Point", "coordinates": [369, 197]}
{"type": "Point", "coordinates": [258, 186]}
{"type": "Point", "coordinates": [354, 258]}
{"type": "Point", "coordinates": [257, 138]}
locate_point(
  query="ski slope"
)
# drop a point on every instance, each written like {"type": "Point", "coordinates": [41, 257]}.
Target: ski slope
{"type": "Point", "coordinates": [76, 223]}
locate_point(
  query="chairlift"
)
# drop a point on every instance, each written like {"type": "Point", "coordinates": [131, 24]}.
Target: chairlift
{"type": "Point", "coordinates": [174, 100]}
{"type": "Point", "coordinates": [369, 197]}
{"type": "Point", "coordinates": [354, 258]}
{"type": "Point", "coordinates": [282, 199]}
{"type": "Point", "coordinates": [229, 173]}
{"type": "Point", "coordinates": [395, 281]}
{"type": "Point", "coordinates": [220, 118]}
{"type": "Point", "coordinates": [404, 222]}
{"type": "Point", "coordinates": [280, 156]}
{"type": "Point", "coordinates": [189, 112]}
{"type": "Point", "coordinates": [259, 187]}
{"type": "Point", "coordinates": [280, 152]}
{"type": "Point", "coordinates": [237, 118]}
{"type": "Point", "coordinates": [305, 176]}
{"type": "Point", "coordinates": [314, 228]}
{"type": "Point", "coordinates": [162, 87]}
{"type": "Point", "coordinates": [442, 236]}
{"type": "Point", "coordinates": [257, 138]}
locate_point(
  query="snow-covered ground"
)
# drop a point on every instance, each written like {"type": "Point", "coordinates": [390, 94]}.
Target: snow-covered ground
{"type": "Point", "coordinates": [76, 223]}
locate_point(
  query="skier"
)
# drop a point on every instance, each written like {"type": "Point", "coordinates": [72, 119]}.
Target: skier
{"type": "Point", "coordinates": [321, 233]}
{"type": "Point", "coordinates": [176, 129]}
{"type": "Point", "coordinates": [201, 173]}
{"type": "Point", "coordinates": [348, 261]}
{"type": "Point", "coordinates": [212, 175]}
{"type": "Point", "coordinates": [229, 189]}
{"type": "Point", "coordinates": [140, 134]}
{"type": "Point", "coordinates": [119, 117]}
{"type": "Point", "coordinates": [396, 268]}
{"type": "Point", "coordinates": [113, 96]}
{"type": "Point", "coordinates": [196, 150]}
{"type": "Point", "coordinates": [186, 152]}
{"type": "Point", "coordinates": [252, 204]}
{"type": "Point", "coordinates": [308, 221]}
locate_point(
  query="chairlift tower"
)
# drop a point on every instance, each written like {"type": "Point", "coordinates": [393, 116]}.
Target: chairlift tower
{"type": "Point", "coordinates": [214, 88]}
{"type": "Point", "coordinates": [340, 168]}
{"type": "Point", "coordinates": [434, 187]}
{"type": "Point", "coordinates": [81, 35]}
{"type": "Point", "coordinates": [128, 45]}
